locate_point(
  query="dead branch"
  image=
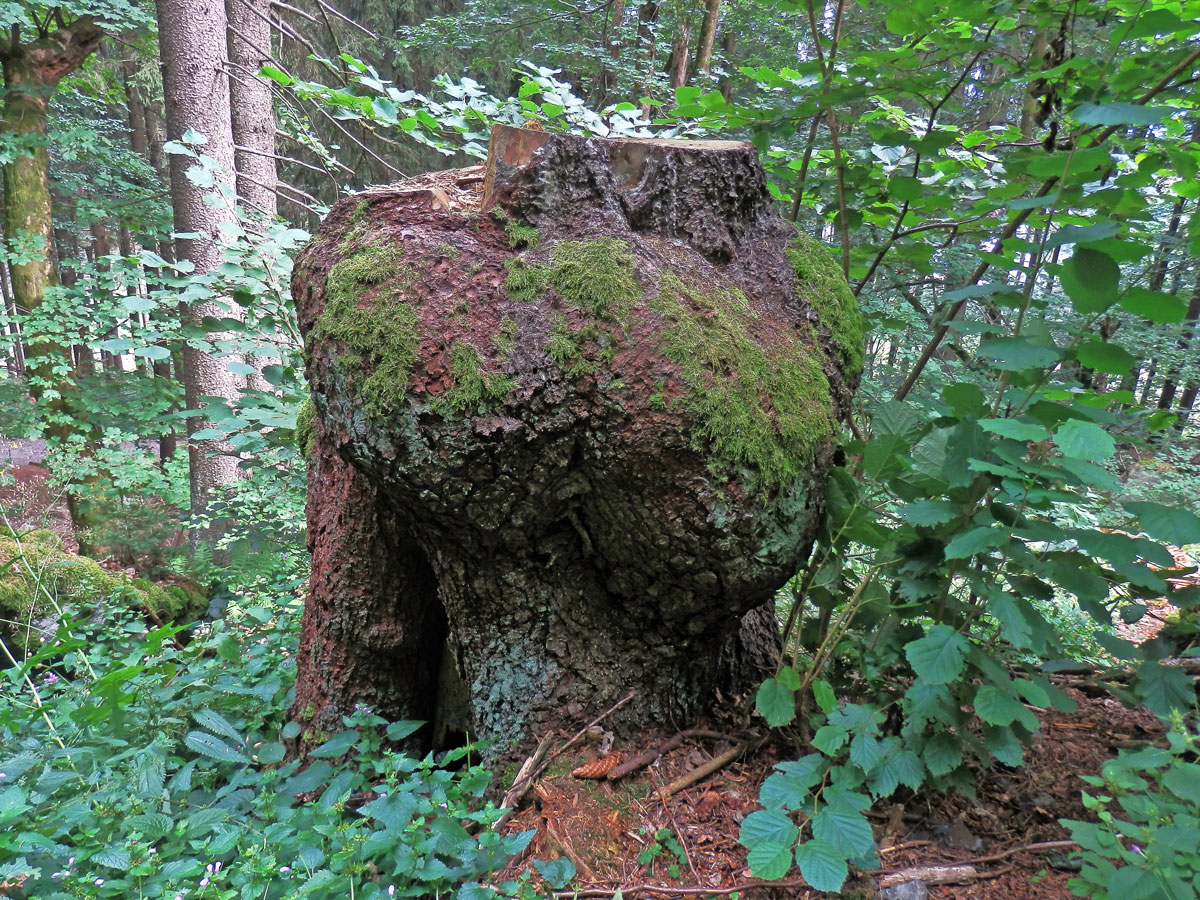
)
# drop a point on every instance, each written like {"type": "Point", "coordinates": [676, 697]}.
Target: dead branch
{"type": "Point", "coordinates": [713, 765]}
{"type": "Point", "coordinates": [932, 875]}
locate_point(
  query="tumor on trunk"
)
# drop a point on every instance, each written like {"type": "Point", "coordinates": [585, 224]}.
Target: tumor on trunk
{"type": "Point", "coordinates": [570, 435]}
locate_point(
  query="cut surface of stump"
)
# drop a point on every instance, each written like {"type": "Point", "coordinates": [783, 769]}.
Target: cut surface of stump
{"type": "Point", "coordinates": [572, 419]}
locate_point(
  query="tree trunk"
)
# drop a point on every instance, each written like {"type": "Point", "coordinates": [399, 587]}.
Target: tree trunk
{"type": "Point", "coordinates": [708, 35]}
{"type": "Point", "coordinates": [191, 36]}
{"type": "Point", "coordinates": [253, 112]}
{"type": "Point", "coordinates": [590, 463]}
{"type": "Point", "coordinates": [31, 72]}
{"type": "Point", "coordinates": [1167, 396]}
{"type": "Point", "coordinates": [677, 62]}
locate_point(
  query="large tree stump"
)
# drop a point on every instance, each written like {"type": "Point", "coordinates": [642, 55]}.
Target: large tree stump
{"type": "Point", "coordinates": [573, 429]}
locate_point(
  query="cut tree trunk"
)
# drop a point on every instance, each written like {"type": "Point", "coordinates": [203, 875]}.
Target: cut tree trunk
{"type": "Point", "coordinates": [576, 429]}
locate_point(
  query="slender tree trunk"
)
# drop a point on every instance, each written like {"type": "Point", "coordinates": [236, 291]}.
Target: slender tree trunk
{"type": "Point", "coordinates": [677, 63]}
{"type": "Point", "coordinates": [1167, 396]}
{"type": "Point", "coordinates": [253, 115]}
{"type": "Point", "coordinates": [708, 34]}
{"type": "Point", "coordinates": [191, 36]}
{"type": "Point", "coordinates": [728, 43]}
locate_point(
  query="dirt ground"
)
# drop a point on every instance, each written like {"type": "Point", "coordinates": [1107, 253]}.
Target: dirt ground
{"type": "Point", "coordinates": [604, 827]}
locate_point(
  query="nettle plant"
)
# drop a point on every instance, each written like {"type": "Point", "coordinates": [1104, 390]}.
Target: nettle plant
{"type": "Point", "coordinates": [923, 629]}
{"type": "Point", "coordinates": [134, 766]}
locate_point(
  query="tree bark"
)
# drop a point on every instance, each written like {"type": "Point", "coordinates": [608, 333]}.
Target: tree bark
{"type": "Point", "coordinates": [191, 36]}
{"type": "Point", "coordinates": [1166, 396]}
{"type": "Point", "coordinates": [708, 34]}
{"type": "Point", "coordinates": [543, 473]}
{"type": "Point", "coordinates": [31, 72]}
{"type": "Point", "coordinates": [253, 111]}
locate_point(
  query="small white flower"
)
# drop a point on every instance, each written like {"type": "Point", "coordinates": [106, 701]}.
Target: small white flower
{"type": "Point", "coordinates": [209, 868]}
{"type": "Point", "coordinates": [391, 890]}
{"type": "Point", "coordinates": [98, 882]}
{"type": "Point", "coordinates": [283, 870]}
{"type": "Point", "coordinates": [152, 850]}
{"type": "Point", "coordinates": [70, 862]}
{"type": "Point", "coordinates": [203, 882]}
{"type": "Point", "coordinates": [217, 866]}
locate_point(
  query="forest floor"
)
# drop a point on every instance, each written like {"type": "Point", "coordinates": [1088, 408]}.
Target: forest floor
{"type": "Point", "coordinates": [608, 829]}
{"type": "Point", "coordinates": [620, 835]}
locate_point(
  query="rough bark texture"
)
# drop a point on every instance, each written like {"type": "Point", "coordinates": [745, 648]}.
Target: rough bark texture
{"type": "Point", "coordinates": [580, 425]}
{"type": "Point", "coordinates": [31, 72]}
{"type": "Point", "coordinates": [191, 37]}
{"type": "Point", "coordinates": [253, 113]}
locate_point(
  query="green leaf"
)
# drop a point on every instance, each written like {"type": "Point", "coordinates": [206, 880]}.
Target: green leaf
{"type": "Point", "coordinates": [557, 872]}
{"type": "Point", "coordinates": [340, 743]}
{"type": "Point", "coordinates": [1016, 354]}
{"type": "Point", "coordinates": [937, 658]}
{"type": "Point", "coordinates": [1104, 357]}
{"type": "Point", "coordinates": [1158, 307]}
{"type": "Point", "coordinates": [977, 540]}
{"type": "Point", "coordinates": [845, 829]}
{"type": "Point", "coordinates": [823, 694]}
{"type": "Point", "coordinates": [1164, 688]}
{"type": "Point", "coordinates": [822, 866]}
{"type": "Point", "coordinates": [152, 352]}
{"type": "Point", "coordinates": [767, 826]}
{"type": "Point", "coordinates": [789, 677]}
{"type": "Point", "coordinates": [213, 747]}
{"type": "Point", "coordinates": [393, 811]}
{"type": "Point", "coordinates": [776, 702]}
{"type": "Point", "coordinates": [965, 398]}
{"type": "Point", "coordinates": [998, 707]}
{"type": "Point", "coordinates": [1003, 744]}
{"type": "Point", "coordinates": [1084, 440]}
{"type": "Point", "coordinates": [770, 861]}
{"type": "Point", "coordinates": [215, 722]}
{"type": "Point", "coordinates": [943, 753]}
{"type": "Point", "coordinates": [1091, 278]}
{"type": "Point", "coordinates": [1169, 524]}
{"type": "Point", "coordinates": [113, 859]}
{"type": "Point", "coordinates": [1082, 234]}
{"type": "Point", "coordinates": [1014, 429]}
{"type": "Point", "coordinates": [865, 752]}
{"type": "Point", "coordinates": [151, 825]}
{"type": "Point", "coordinates": [1183, 780]}
{"type": "Point", "coordinates": [928, 513]}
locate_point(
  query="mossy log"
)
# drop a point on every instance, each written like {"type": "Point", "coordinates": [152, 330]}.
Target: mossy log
{"type": "Point", "coordinates": [570, 435]}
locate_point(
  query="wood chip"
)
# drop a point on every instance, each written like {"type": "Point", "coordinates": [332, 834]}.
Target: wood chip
{"type": "Point", "coordinates": [932, 875]}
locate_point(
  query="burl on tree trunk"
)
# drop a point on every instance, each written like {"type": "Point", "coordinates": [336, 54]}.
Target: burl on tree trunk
{"type": "Point", "coordinates": [570, 435]}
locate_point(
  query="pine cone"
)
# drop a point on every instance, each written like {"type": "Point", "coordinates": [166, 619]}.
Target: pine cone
{"type": "Point", "coordinates": [598, 768]}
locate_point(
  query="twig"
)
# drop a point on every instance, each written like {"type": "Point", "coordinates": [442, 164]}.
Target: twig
{"type": "Point", "coordinates": [584, 730]}
{"type": "Point", "coordinates": [907, 845]}
{"type": "Point", "coordinates": [713, 765]}
{"type": "Point", "coordinates": [669, 889]}
{"type": "Point", "coordinates": [523, 781]}
{"type": "Point", "coordinates": [643, 760]}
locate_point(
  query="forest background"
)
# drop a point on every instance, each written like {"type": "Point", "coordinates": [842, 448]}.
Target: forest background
{"type": "Point", "coordinates": [1010, 190]}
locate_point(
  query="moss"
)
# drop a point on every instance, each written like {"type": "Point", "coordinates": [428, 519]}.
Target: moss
{"type": "Point", "coordinates": [306, 432]}
{"type": "Point", "coordinates": [44, 578]}
{"type": "Point", "coordinates": [358, 224]}
{"type": "Point", "coordinates": [473, 387]}
{"type": "Point", "coordinates": [526, 281]}
{"type": "Point", "coordinates": [565, 347]}
{"type": "Point", "coordinates": [308, 714]}
{"type": "Point", "coordinates": [380, 335]}
{"type": "Point", "coordinates": [518, 233]}
{"type": "Point", "coordinates": [762, 408]}
{"type": "Point", "coordinates": [596, 276]}
{"type": "Point", "coordinates": [820, 281]}
{"type": "Point", "coordinates": [171, 602]}
{"type": "Point", "coordinates": [449, 250]}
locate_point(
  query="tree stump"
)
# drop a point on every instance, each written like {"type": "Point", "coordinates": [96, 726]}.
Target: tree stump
{"type": "Point", "coordinates": [571, 432]}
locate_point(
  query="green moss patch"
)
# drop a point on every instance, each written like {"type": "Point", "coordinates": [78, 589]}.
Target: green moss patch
{"type": "Point", "coordinates": [380, 334]}
{"type": "Point", "coordinates": [761, 408]}
{"type": "Point", "coordinates": [519, 234]}
{"type": "Point", "coordinates": [820, 281]}
{"type": "Point", "coordinates": [596, 277]}
{"type": "Point", "coordinates": [473, 388]}
{"type": "Point", "coordinates": [306, 430]}
{"type": "Point", "coordinates": [44, 578]}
